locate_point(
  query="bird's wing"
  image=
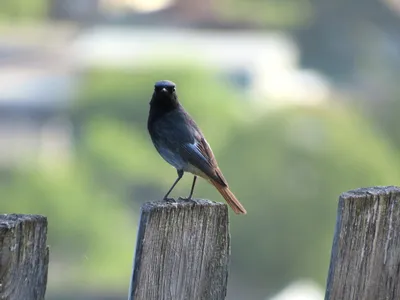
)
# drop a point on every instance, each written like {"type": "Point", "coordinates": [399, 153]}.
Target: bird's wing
{"type": "Point", "coordinates": [200, 155]}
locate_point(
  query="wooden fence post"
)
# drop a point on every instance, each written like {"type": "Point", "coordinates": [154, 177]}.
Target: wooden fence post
{"type": "Point", "coordinates": [182, 251]}
{"type": "Point", "coordinates": [24, 257]}
{"type": "Point", "coordinates": [365, 259]}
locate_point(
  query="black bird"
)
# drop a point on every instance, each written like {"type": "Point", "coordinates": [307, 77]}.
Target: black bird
{"type": "Point", "coordinates": [181, 143]}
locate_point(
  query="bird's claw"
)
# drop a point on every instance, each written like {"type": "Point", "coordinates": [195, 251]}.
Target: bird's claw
{"type": "Point", "coordinates": [171, 200]}
{"type": "Point", "coordinates": [186, 199]}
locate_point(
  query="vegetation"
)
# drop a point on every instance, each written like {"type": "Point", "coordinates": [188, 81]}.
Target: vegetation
{"type": "Point", "coordinates": [13, 10]}
{"type": "Point", "coordinates": [287, 167]}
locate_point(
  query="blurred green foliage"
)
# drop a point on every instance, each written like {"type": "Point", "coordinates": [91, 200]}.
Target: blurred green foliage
{"type": "Point", "coordinates": [287, 166]}
{"type": "Point", "coordinates": [385, 115]}
{"type": "Point", "coordinates": [287, 14]}
{"type": "Point", "coordinates": [14, 10]}
{"type": "Point", "coordinates": [87, 225]}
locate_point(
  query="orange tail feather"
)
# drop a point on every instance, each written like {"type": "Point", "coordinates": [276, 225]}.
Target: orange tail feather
{"type": "Point", "coordinates": [230, 198]}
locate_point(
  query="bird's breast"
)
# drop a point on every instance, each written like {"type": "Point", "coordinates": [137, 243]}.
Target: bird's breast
{"type": "Point", "coordinates": [175, 159]}
{"type": "Point", "coordinates": [171, 157]}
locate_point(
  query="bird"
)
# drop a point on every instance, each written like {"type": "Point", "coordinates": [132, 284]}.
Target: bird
{"type": "Point", "coordinates": [181, 143]}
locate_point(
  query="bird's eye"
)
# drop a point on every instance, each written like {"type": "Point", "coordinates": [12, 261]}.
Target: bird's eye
{"type": "Point", "coordinates": [171, 89]}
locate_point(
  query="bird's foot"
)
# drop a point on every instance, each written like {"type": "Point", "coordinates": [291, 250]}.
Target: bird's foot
{"type": "Point", "coordinates": [170, 200]}
{"type": "Point", "coordinates": [188, 199]}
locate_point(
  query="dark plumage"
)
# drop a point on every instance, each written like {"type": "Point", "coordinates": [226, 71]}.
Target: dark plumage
{"type": "Point", "coordinates": [181, 143]}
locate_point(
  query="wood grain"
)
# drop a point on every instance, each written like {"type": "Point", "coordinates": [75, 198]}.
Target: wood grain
{"type": "Point", "coordinates": [365, 259]}
{"type": "Point", "coordinates": [182, 251]}
{"type": "Point", "coordinates": [24, 257]}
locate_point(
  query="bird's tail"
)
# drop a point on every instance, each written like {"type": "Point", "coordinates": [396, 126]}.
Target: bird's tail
{"type": "Point", "coordinates": [229, 197]}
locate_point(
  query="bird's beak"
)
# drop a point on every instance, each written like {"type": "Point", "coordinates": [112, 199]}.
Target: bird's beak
{"type": "Point", "coordinates": [163, 90]}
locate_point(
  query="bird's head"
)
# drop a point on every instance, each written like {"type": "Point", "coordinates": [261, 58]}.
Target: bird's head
{"type": "Point", "coordinates": [164, 86]}
{"type": "Point", "coordinates": [164, 95]}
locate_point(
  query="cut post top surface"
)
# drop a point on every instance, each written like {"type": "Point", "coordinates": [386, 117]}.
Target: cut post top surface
{"type": "Point", "coordinates": [181, 204]}
{"type": "Point", "coordinates": [9, 220]}
{"type": "Point", "coordinates": [370, 191]}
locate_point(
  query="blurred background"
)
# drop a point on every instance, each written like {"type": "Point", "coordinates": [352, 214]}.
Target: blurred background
{"type": "Point", "coordinates": [298, 98]}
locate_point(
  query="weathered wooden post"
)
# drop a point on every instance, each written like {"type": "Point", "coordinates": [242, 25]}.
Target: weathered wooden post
{"type": "Point", "coordinates": [365, 259]}
{"type": "Point", "coordinates": [24, 257]}
{"type": "Point", "coordinates": [182, 251]}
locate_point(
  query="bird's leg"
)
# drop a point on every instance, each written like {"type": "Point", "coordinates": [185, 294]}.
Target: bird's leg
{"type": "Point", "coordinates": [180, 174]}
{"type": "Point", "coordinates": [191, 191]}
